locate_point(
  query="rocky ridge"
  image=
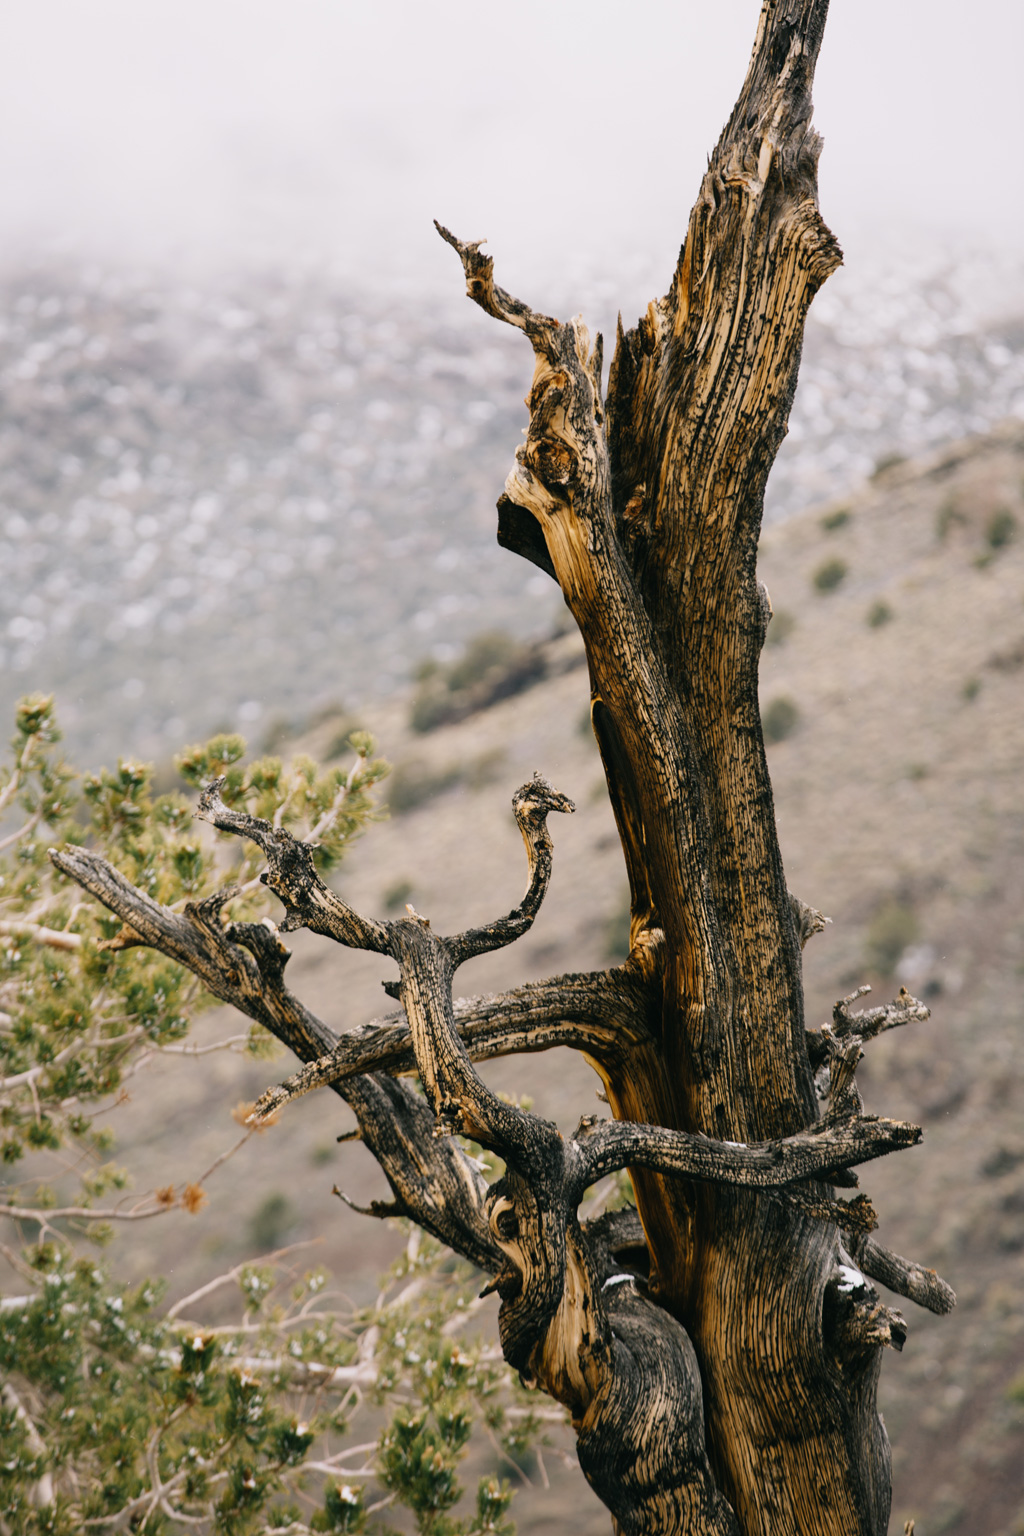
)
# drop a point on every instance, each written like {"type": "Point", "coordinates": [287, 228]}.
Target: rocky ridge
{"type": "Point", "coordinates": [229, 505]}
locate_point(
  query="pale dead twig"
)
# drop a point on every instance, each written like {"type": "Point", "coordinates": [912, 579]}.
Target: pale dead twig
{"type": "Point", "coordinates": [233, 1274]}
{"type": "Point", "coordinates": [55, 938]}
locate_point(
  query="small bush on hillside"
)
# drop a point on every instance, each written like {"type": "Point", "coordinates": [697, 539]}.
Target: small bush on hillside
{"type": "Point", "coordinates": [947, 515]}
{"type": "Point", "coordinates": [830, 574]}
{"type": "Point", "coordinates": [271, 1222]}
{"type": "Point", "coordinates": [879, 613]}
{"type": "Point", "coordinates": [396, 895]}
{"type": "Point", "coordinates": [1000, 528]}
{"type": "Point", "coordinates": [780, 719]}
{"type": "Point", "coordinates": [482, 654]}
{"type": "Point", "coordinates": [413, 784]}
{"type": "Point", "coordinates": [886, 462]}
{"type": "Point", "coordinates": [492, 667]}
{"type": "Point", "coordinates": [837, 519]}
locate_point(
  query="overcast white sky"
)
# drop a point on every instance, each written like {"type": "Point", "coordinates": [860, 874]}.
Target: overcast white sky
{"type": "Point", "coordinates": [568, 132]}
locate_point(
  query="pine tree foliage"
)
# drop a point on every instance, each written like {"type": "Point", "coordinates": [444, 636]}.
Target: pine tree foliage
{"type": "Point", "coordinates": [119, 1411]}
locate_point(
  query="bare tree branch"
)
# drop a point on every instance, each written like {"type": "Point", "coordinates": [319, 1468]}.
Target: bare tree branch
{"type": "Point", "coordinates": [242, 964]}
{"type": "Point", "coordinates": [292, 876]}
{"type": "Point", "coordinates": [604, 1013]}
{"type": "Point", "coordinates": [865, 1023]}
{"type": "Point", "coordinates": [610, 1144]}
{"type": "Point", "coordinates": [905, 1278]}
{"type": "Point", "coordinates": [434, 1182]}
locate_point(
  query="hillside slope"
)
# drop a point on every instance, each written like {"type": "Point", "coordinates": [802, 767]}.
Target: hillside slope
{"type": "Point", "coordinates": [897, 652]}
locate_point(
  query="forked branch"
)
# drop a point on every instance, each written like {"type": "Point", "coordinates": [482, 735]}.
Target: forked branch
{"type": "Point", "coordinates": [240, 964]}
{"type": "Point", "coordinates": [433, 1181]}
{"type": "Point", "coordinates": [604, 1013]}
{"type": "Point", "coordinates": [865, 1023]}
{"type": "Point", "coordinates": [292, 875]}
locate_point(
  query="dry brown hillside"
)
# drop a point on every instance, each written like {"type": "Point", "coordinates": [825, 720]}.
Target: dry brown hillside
{"type": "Point", "coordinates": [893, 686]}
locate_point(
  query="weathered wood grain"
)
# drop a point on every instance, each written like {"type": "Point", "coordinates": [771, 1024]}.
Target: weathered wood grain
{"type": "Point", "coordinates": [719, 1361]}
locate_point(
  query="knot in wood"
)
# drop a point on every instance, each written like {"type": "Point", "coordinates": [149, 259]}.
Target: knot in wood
{"type": "Point", "coordinates": [553, 462]}
{"type": "Point", "coordinates": [633, 512]}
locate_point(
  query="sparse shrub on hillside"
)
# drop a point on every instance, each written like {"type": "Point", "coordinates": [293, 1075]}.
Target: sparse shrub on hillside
{"type": "Point", "coordinates": [485, 768]}
{"type": "Point", "coordinates": [396, 895]}
{"type": "Point", "coordinates": [485, 652]}
{"type": "Point", "coordinates": [780, 719]}
{"type": "Point", "coordinates": [1009, 659]}
{"type": "Point", "coordinates": [892, 929]}
{"type": "Point", "coordinates": [331, 709]}
{"type": "Point", "coordinates": [836, 519]}
{"type": "Point", "coordinates": [492, 667]}
{"type": "Point", "coordinates": [1000, 528]}
{"type": "Point", "coordinates": [879, 613]}
{"type": "Point", "coordinates": [781, 627]}
{"type": "Point", "coordinates": [271, 1222]}
{"type": "Point", "coordinates": [830, 574]}
{"type": "Point", "coordinates": [1003, 1159]}
{"type": "Point", "coordinates": [413, 784]}
{"type": "Point", "coordinates": [970, 690]}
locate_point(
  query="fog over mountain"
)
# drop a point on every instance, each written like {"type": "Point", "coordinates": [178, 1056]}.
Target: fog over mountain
{"type": "Point", "coordinates": [215, 133]}
{"type": "Point", "coordinates": [222, 506]}
{"type": "Point", "coordinates": [251, 437]}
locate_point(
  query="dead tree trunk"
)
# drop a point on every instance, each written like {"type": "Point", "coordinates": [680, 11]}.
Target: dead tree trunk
{"type": "Point", "coordinates": [719, 1355]}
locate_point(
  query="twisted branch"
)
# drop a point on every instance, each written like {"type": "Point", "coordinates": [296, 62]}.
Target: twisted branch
{"type": "Point", "coordinates": [609, 1145]}
{"type": "Point", "coordinates": [241, 964]}
{"type": "Point", "coordinates": [603, 1013]}
{"type": "Point", "coordinates": [292, 876]}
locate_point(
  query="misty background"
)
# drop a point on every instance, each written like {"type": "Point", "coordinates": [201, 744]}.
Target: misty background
{"type": "Point", "coordinates": [251, 437]}
{"type": "Point", "coordinates": [253, 433]}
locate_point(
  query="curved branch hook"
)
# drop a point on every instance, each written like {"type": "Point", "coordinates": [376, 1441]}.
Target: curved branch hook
{"type": "Point", "coordinates": [532, 803]}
